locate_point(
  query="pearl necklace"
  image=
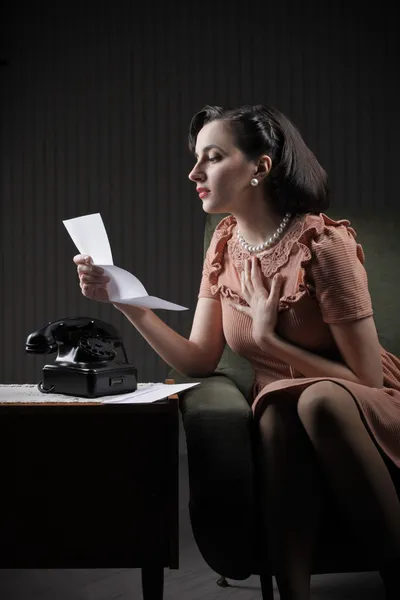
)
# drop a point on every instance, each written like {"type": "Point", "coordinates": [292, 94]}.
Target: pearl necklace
{"type": "Point", "coordinates": [273, 239]}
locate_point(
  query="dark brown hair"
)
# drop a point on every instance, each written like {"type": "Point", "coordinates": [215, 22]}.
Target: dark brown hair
{"type": "Point", "coordinates": [296, 183]}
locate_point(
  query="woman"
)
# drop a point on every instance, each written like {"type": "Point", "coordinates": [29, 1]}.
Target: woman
{"type": "Point", "coordinates": [285, 286]}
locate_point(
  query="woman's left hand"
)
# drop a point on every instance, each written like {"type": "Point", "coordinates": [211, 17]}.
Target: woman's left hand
{"type": "Point", "coordinates": [263, 305]}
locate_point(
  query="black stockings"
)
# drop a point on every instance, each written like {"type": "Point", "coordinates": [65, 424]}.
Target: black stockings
{"type": "Point", "coordinates": [325, 433]}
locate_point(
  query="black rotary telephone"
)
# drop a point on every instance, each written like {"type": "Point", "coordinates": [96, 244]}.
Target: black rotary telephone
{"type": "Point", "coordinates": [86, 364]}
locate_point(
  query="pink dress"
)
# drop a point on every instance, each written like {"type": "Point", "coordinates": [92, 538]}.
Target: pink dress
{"type": "Point", "coordinates": [326, 282]}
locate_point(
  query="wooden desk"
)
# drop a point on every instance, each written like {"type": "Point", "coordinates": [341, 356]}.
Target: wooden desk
{"type": "Point", "coordinates": [90, 486]}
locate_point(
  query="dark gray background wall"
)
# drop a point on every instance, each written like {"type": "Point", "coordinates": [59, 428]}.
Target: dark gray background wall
{"type": "Point", "coordinates": [96, 98]}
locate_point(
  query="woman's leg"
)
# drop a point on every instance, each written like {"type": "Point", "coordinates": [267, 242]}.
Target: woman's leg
{"type": "Point", "coordinates": [290, 497]}
{"type": "Point", "coordinates": [354, 468]}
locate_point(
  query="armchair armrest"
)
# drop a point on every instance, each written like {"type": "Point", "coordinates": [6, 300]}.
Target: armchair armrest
{"type": "Point", "coordinates": [219, 425]}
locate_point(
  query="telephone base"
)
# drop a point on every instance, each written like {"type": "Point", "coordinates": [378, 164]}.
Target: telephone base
{"type": "Point", "coordinates": [89, 382]}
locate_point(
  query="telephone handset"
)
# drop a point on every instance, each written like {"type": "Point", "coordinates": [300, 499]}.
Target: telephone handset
{"type": "Point", "coordinates": [86, 362]}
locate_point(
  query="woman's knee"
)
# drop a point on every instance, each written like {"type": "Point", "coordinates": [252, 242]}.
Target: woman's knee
{"type": "Point", "coordinates": [326, 403]}
{"type": "Point", "coordinates": [278, 421]}
{"type": "Point", "coordinates": [286, 450]}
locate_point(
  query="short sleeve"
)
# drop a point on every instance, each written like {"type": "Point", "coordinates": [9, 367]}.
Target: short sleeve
{"type": "Point", "coordinates": [340, 279]}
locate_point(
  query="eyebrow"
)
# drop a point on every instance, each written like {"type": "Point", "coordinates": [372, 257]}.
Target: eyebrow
{"type": "Point", "coordinates": [209, 147]}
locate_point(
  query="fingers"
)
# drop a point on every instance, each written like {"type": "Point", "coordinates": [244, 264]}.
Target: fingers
{"type": "Point", "coordinates": [246, 277]}
{"type": "Point", "coordinates": [246, 273]}
{"type": "Point", "coordinates": [253, 273]}
{"type": "Point", "coordinates": [252, 281]}
{"type": "Point", "coordinates": [89, 290]}
{"type": "Point", "coordinates": [251, 276]}
{"type": "Point", "coordinates": [93, 280]}
{"type": "Point", "coordinates": [92, 275]}
{"type": "Point", "coordinates": [256, 272]}
{"type": "Point", "coordinates": [82, 259]}
{"type": "Point", "coordinates": [275, 292]}
{"type": "Point", "coordinates": [88, 272]}
{"type": "Point", "coordinates": [252, 267]}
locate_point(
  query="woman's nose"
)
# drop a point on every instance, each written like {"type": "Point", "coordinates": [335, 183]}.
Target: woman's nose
{"type": "Point", "coordinates": [195, 174]}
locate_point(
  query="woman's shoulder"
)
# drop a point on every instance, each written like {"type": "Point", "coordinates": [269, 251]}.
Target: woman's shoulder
{"type": "Point", "coordinates": [321, 224]}
{"type": "Point", "coordinates": [319, 228]}
{"type": "Point", "coordinates": [322, 235]}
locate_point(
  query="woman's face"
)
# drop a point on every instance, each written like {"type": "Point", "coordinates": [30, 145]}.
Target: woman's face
{"type": "Point", "coordinates": [222, 169]}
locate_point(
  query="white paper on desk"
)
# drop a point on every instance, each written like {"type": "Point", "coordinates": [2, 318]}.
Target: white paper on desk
{"type": "Point", "coordinates": [90, 237]}
{"type": "Point", "coordinates": [149, 394]}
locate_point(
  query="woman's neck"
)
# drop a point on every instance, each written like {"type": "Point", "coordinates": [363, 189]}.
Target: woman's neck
{"type": "Point", "coordinates": [258, 226]}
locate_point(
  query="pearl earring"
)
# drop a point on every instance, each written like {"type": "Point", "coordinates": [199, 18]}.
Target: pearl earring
{"type": "Point", "coordinates": [254, 181]}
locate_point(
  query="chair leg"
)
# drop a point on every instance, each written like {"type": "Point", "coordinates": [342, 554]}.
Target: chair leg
{"type": "Point", "coordinates": [153, 582]}
{"type": "Point", "coordinates": [267, 588]}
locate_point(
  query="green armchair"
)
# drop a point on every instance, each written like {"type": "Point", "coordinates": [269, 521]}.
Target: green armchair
{"type": "Point", "coordinates": [220, 437]}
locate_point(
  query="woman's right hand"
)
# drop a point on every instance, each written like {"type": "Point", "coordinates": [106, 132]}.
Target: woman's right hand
{"type": "Point", "coordinates": [91, 279]}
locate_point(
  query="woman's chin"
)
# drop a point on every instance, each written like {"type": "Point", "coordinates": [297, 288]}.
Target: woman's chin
{"type": "Point", "coordinates": [213, 209]}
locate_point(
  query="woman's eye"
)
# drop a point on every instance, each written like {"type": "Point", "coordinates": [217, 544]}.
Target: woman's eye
{"type": "Point", "coordinates": [213, 158]}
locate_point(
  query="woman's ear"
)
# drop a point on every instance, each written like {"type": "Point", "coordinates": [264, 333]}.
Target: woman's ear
{"type": "Point", "coordinates": [264, 166]}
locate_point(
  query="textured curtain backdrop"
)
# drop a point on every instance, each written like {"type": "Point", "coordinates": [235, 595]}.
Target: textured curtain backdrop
{"type": "Point", "coordinates": [96, 98]}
